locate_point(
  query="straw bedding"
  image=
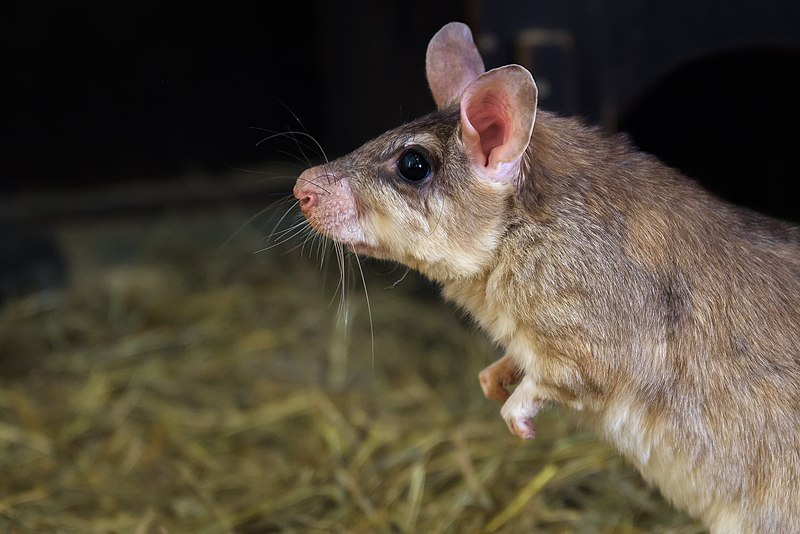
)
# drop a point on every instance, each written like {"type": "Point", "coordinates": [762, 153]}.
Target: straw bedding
{"type": "Point", "coordinates": [184, 383]}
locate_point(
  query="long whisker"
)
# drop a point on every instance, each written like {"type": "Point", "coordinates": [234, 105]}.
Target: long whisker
{"type": "Point", "coordinates": [315, 183]}
{"type": "Point", "coordinates": [310, 239]}
{"type": "Point", "coordinates": [311, 235]}
{"type": "Point", "coordinates": [314, 242]}
{"type": "Point", "coordinates": [322, 248]}
{"type": "Point", "coordinates": [244, 225]}
{"type": "Point", "coordinates": [305, 160]}
{"type": "Point", "coordinates": [287, 108]}
{"type": "Point", "coordinates": [292, 134]}
{"type": "Point", "coordinates": [300, 146]}
{"type": "Point", "coordinates": [285, 214]}
{"type": "Point", "coordinates": [282, 241]}
{"type": "Point", "coordinates": [341, 282]}
{"type": "Point", "coordinates": [408, 269]}
{"type": "Point", "coordinates": [369, 311]}
{"type": "Point", "coordinates": [268, 174]}
{"type": "Point", "coordinates": [280, 134]}
{"type": "Point", "coordinates": [291, 229]}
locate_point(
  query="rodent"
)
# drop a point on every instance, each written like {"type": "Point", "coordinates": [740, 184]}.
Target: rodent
{"type": "Point", "coordinates": [616, 286]}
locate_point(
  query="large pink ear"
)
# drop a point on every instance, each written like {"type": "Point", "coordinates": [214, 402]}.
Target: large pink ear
{"type": "Point", "coordinates": [498, 111]}
{"type": "Point", "coordinates": [452, 62]}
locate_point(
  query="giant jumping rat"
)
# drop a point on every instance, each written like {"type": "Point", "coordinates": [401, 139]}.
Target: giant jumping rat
{"type": "Point", "coordinates": [615, 285]}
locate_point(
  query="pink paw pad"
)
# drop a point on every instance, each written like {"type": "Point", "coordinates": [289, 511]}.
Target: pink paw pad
{"type": "Point", "coordinates": [522, 427]}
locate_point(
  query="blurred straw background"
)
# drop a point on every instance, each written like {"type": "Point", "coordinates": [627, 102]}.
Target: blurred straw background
{"type": "Point", "coordinates": [186, 380]}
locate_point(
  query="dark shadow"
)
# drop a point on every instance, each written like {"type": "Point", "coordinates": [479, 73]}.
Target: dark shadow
{"type": "Point", "coordinates": [730, 121]}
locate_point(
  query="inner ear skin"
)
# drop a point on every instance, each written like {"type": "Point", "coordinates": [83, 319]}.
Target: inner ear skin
{"type": "Point", "coordinates": [489, 117]}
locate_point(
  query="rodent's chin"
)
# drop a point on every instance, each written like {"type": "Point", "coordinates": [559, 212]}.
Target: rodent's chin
{"type": "Point", "coordinates": [366, 250]}
{"type": "Point", "coordinates": [363, 249]}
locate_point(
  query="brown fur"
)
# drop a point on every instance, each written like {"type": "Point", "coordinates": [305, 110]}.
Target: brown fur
{"type": "Point", "coordinates": [660, 299]}
{"type": "Point", "coordinates": [620, 288]}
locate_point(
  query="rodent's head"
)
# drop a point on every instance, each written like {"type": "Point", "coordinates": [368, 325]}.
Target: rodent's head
{"type": "Point", "coordinates": [433, 194]}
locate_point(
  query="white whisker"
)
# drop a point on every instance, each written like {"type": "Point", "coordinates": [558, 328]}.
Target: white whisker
{"type": "Point", "coordinates": [408, 269]}
{"type": "Point", "coordinates": [244, 225]}
{"type": "Point", "coordinates": [296, 230]}
{"type": "Point", "coordinates": [282, 241]}
{"type": "Point", "coordinates": [285, 214]}
{"type": "Point", "coordinates": [369, 311]}
{"type": "Point", "coordinates": [305, 161]}
{"type": "Point", "coordinates": [286, 134]}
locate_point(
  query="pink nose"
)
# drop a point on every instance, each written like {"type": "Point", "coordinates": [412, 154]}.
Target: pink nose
{"type": "Point", "coordinates": [305, 191]}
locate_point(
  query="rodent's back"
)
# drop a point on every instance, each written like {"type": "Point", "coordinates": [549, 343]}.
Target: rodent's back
{"type": "Point", "coordinates": [663, 297]}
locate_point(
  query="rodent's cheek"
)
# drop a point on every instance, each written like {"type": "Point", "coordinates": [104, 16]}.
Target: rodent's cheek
{"type": "Point", "coordinates": [398, 235]}
{"type": "Point", "coordinates": [384, 229]}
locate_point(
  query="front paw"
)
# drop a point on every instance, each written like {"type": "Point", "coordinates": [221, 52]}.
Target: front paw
{"type": "Point", "coordinates": [520, 408]}
{"type": "Point", "coordinates": [498, 377]}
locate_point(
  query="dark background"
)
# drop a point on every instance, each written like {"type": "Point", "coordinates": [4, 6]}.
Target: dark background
{"type": "Point", "coordinates": [97, 96]}
{"type": "Point", "coordinates": [102, 93]}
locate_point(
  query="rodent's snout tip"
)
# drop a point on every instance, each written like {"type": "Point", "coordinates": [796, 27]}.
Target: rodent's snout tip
{"type": "Point", "coordinates": [304, 191]}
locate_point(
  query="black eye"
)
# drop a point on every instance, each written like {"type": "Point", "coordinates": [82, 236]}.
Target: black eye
{"type": "Point", "coordinates": [413, 166]}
